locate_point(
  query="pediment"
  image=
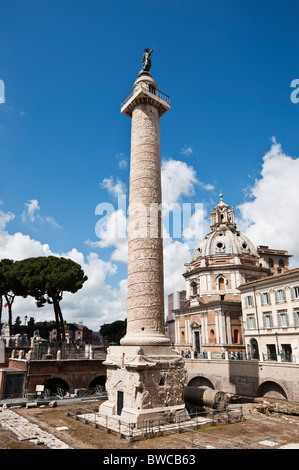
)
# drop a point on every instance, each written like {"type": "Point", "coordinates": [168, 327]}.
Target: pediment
{"type": "Point", "coordinates": [195, 324]}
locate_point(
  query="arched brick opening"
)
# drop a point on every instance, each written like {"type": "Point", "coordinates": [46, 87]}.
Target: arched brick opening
{"type": "Point", "coordinates": [201, 382]}
{"type": "Point", "coordinates": [272, 390]}
{"type": "Point", "coordinates": [53, 384]}
{"type": "Point", "coordinates": [100, 380]}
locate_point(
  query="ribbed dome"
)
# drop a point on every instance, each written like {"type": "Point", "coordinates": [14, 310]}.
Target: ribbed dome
{"type": "Point", "coordinates": [224, 241]}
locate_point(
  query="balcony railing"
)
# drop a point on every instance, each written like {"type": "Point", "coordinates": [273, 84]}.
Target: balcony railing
{"type": "Point", "coordinates": [148, 87]}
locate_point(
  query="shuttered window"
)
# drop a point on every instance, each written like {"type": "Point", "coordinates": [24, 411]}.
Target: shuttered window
{"type": "Point", "coordinates": [296, 317]}
{"type": "Point", "coordinates": [295, 292]}
{"type": "Point", "coordinates": [251, 323]}
{"type": "Point", "coordinates": [267, 321]}
{"type": "Point", "coordinates": [265, 298]}
{"type": "Point", "coordinates": [280, 295]}
{"type": "Point", "coordinates": [248, 301]}
{"type": "Point", "coordinates": [282, 319]}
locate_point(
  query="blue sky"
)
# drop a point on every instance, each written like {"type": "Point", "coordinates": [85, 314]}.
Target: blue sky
{"type": "Point", "coordinates": [64, 145]}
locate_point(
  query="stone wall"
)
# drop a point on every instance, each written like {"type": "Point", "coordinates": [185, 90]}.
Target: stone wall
{"type": "Point", "coordinates": [76, 373]}
{"type": "Point", "coordinates": [250, 378]}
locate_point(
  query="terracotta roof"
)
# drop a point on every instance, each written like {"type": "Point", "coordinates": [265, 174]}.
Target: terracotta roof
{"type": "Point", "coordinates": [273, 276]}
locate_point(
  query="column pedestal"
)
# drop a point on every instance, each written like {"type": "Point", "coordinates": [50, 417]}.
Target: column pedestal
{"type": "Point", "coordinates": [144, 383]}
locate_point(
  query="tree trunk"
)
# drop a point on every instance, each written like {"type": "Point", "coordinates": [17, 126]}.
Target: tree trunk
{"type": "Point", "coordinates": [9, 300]}
{"type": "Point", "coordinates": [58, 319]}
{"type": "Point", "coordinates": [58, 338]}
{"type": "Point", "coordinates": [1, 305]}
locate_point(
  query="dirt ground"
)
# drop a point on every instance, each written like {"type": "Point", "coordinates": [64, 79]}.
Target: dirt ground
{"type": "Point", "coordinates": [258, 430]}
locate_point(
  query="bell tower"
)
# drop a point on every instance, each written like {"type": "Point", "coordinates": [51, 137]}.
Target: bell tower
{"type": "Point", "coordinates": [223, 217]}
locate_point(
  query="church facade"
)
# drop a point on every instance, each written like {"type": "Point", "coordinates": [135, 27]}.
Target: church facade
{"type": "Point", "coordinates": [211, 319]}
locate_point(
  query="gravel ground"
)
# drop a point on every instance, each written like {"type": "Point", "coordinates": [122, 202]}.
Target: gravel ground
{"type": "Point", "coordinates": [257, 431]}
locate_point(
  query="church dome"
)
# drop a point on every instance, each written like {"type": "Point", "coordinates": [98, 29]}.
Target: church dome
{"type": "Point", "coordinates": [224, 239]}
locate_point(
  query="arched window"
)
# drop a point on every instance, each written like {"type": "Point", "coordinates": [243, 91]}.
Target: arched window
{"type": "Point", "coordinates": [281, 263]}
{"type": "Point", "coordinates": [236, 337]}
{"type": "Point", "coordinates": [270, 263]}
{"type": "Point", "coordinates": [221, 283]}
{"type": "Point", "coordinates": [212, 337]}
{"type": "Point", "coordinates": [254, 348]}
{"type": "Point", "coordinates": [193, 288]}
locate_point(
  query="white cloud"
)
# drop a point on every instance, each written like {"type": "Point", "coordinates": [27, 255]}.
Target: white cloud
{"type": "Point", "coordinates": [198, 226]}
{"type": "Point", "coordinates": [122, 161]}
{"type": "Point", "coordinates": [115, 188]}
{"type": "Point", "coordinates": [175, 254]}
{"type": "Point", "coordinates": [31, 214]}
{"type": "Point", "coordinates": [113, 233]}
{"type": "Point", "coordinates": [19, 246]}
{"type": "Point", "coordinates": [96, 303]}
{"type": "Point", "coordinates": [5, 218]}
{"type": "Point", "coordinates": [32, 208]}
{"type": "Point", "coordinates": [186, 150]}
{"type": "Point", "coordinates": [271, 216]}
{"type": "Point", "coordinates": [102, 298]}
{"type": "Point", "coordinates": [207, 187]}
{"type": "Point", "coordinates": [178, 179]}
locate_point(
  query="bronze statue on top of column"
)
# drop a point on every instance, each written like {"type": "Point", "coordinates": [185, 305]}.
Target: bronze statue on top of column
{"type": "Point", "coordinates": [146, 60]}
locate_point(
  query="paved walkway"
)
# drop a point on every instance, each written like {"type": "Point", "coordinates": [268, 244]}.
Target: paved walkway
{"type": "Point", "coordinates": [24, 430]}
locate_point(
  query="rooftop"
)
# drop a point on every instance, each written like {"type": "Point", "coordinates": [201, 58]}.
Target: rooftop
{"type": "Point", "coordinates": [271, 277]}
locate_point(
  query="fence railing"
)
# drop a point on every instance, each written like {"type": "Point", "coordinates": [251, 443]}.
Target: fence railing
{"type": "Point", "coordinates": [94, 393]}
{"type": "Point", "coordinates": [243, 357]}
{"type": "Point", "coordinates": [148, 87]}
{"type": "Point", "coordinates": [187, 424]}
{"type": "Point", "coordinates": [51, 350]}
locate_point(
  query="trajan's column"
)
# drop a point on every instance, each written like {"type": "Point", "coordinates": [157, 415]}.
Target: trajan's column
{"type": "Point", "coordinates": [145, 376]}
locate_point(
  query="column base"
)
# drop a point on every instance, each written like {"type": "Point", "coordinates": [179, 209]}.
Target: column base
{"type": "Point", "coordinates": [144, 383]}
{"type": "Point", "coordinates": [131, 416]}
{"type": "Point", "coordinates": [145, 340]}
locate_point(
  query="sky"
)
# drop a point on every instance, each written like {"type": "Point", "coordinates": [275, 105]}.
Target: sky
{"type": "Point", "coordinates": [231, 71]}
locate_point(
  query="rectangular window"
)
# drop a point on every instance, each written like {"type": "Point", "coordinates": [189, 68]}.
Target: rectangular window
{"type": "Point", "coordinates": [248, 301]}
{"type": "Point", "coordinates": [295, 292]}
{"type": "Point", "coordinates": [267, 320]}
{"type": "Point", "coordinates": [282, 319]}
{"type": "Point", "coordinates": [265, 298]}
{"type": "Point", "coordinates": [251, 323]}
{"type": "Point", "coordinates": [271, 352]}
{"type": "Point", "coordinates": [280, 295]}
{"type": "Point", "coordinates": [296, 317]}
